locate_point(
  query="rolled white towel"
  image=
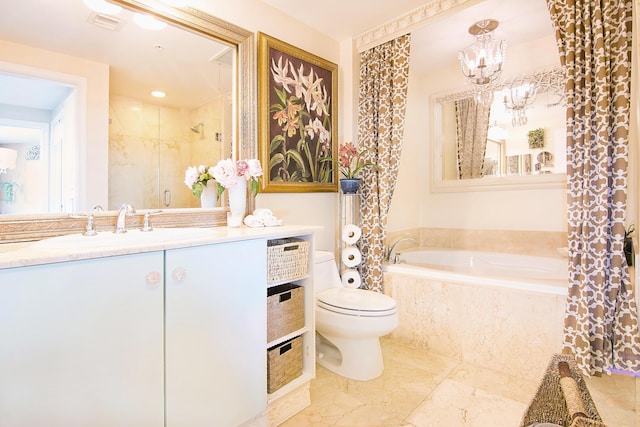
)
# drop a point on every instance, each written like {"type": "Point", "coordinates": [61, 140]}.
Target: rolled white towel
{"type": "Point", "coordinates": [262, 212]}
{"type": "Point", "coordinates": [253, 221]}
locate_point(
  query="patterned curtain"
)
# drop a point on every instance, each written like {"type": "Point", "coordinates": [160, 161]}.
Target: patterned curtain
{"type": "Point", "coordinates": [384, 73]}
{"type": "Point", "coordinates": [594, 40]}
{"type": "Point", "coordinates": [472, 123]}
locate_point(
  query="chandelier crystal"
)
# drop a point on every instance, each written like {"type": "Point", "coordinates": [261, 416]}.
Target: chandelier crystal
{"type": "Point", "coordinates": [520, 95]}
{"type": "Point", "coordinates": [482, 61]}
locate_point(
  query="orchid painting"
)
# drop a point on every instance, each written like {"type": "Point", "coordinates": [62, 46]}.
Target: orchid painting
{"type": "Point", "coordinates": [299, 126]}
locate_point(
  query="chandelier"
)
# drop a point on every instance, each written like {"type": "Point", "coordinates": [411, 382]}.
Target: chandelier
{"type": "Point", "coordinates": [482, 61]}
{"type": "Point", "coordinates": [520, 95]}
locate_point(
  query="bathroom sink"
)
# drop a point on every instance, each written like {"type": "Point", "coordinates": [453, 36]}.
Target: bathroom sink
{"type": "Point", "coordinates": [110, 240]}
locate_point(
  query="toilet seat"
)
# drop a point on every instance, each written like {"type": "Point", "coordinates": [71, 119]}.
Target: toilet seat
{"type": "Point", "coordinates": [356, 302]}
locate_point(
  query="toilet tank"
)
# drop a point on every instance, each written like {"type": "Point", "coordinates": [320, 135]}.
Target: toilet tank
{"type": "Point", "coordinates": [325, 271]}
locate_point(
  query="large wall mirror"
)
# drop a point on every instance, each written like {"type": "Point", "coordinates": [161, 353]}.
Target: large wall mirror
{"type": "Point", "coordinates": [85, 123]}
{"type": "Point", "coordinates": [510, 161]}
{"type": "Point", "coordinates": [521, 144]}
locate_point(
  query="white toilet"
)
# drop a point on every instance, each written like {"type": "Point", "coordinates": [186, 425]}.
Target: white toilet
{"type": "Point", "coordinates": [349, 323]}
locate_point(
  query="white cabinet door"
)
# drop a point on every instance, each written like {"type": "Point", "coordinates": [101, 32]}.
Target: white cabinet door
{"type": "Point", "coordinates": [215, 334]}
{"type": "Point", "coordinates": [81, 343]}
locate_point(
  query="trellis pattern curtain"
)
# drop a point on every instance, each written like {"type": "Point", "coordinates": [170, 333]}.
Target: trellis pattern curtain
{"type": "Point", "coordinates": [594, 40]}
{"type": "Point", "coordinates": [472, 122]}
{"type": "Point", "coordinates": [384, 74]}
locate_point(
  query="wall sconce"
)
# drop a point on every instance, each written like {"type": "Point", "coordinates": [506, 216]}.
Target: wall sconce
{"type": "Point", "coordinates": [482, 61]}
{"type": "Point", "coordinates": [7, 159]}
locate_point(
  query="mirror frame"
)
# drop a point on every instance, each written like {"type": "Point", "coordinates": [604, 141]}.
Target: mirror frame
{"type": "Point", "coordinates": [552, 79]}
{"type": "Point", "coordinates": [21, 228]}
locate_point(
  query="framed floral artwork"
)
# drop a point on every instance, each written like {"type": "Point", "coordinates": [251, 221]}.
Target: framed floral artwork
{"type": "Point", "coordinates": [297, 118]}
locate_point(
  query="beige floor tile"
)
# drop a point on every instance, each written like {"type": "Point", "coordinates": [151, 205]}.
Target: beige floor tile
{"type": "Point", "coordinates": [454, 404]}
{"type": "Point", "coordinates": [423, 389]}
{"type": "Point", "coordinates": [498, 383]}
{"type": "Point", "coordinates": [615, 399]}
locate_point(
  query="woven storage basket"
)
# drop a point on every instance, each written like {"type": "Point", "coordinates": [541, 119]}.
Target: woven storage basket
{"type": "Point", "coordinates": [287, 259]}
{"type": "Point", "coordinates": [549, 405]}
{"type": "Point", "coordinates": [284, 363]}
{"type": "Point", "coordinates": [285, 310]}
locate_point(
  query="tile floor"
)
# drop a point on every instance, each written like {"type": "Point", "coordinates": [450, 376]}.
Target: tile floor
{"type": "Point", "coordinates": [421, 389]}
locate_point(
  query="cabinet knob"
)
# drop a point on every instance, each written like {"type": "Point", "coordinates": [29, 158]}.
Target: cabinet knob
{"type": "Point", "coordinates": [179, 274]}
{"type": "Point", "coordinates": [153, 278]}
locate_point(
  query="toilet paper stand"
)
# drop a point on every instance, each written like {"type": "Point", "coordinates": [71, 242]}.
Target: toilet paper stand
{"type": "Point", "coordinates": [349, 208]}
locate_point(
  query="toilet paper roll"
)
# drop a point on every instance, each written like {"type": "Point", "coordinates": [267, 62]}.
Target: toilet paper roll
{"type": "Point", "coordinates": [351, 279]}
{"type": "Point", "coordinates": [351, 257]}
{"type": "Point", "coordinates": [351, 233]}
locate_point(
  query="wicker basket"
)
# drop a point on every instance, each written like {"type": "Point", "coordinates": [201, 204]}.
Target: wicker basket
{"type": "Point", "coordinates": [287, 259]}
{"type": "Point", "coordinates": [284, 363]}
{"type": "Point", "coordinates": [285, 310]}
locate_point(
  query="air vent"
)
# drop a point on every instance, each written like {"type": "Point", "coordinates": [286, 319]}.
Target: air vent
{"type": "Point", "coordinates": [106, 21]}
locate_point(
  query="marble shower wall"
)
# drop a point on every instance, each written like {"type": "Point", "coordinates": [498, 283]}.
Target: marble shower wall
{"type": "Point", "coordinates": [151, 146]}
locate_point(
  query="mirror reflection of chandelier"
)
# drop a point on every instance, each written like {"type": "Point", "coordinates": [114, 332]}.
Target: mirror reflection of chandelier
{"type": "Point", "coordinates": [520, 95]}
{"type": "Point", "coordinates": [482, 61]}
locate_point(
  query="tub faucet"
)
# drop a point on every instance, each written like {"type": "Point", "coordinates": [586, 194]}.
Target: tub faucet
{"type": "Point", "coordinates": [394, 257]}
{"type": "Point", "coordinates": [125, 211]}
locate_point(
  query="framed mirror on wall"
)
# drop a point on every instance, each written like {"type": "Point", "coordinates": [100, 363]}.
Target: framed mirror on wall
{"type": "Point", "coordinates": [124, 145]}
{"type": "Point", "coordinates": [522, 136]}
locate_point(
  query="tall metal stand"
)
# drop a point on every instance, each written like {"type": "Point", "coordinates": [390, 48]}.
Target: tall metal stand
{"type": "Point", "coordinates": [349, 214]}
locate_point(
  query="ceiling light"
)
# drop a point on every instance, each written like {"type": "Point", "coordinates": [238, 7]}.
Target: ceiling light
{"type": "Point", "coordinates": [148, 22]}
{"type": "Point", "coordinates": [482, 61]}
{"type": "Point", "coordinates": [103, 6]}
{"type": "Point", "coordinates": [158, 94]}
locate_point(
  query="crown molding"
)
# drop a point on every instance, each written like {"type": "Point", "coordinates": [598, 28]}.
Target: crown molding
{"type": "Point", "coordinates": [405, 23]}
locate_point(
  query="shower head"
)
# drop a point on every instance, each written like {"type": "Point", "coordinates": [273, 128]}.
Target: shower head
{"type": "Point", "coordinates": [197, 128]}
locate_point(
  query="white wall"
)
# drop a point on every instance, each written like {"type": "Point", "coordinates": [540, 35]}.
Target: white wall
{"type": "Point", "coordinates": [295, 208]}
{"type": "Point", "coordinates": [94, 79]}
{"type": "Point", "coordinates": [541, 209]}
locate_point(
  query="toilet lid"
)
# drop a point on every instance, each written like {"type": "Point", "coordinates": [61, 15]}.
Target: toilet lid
{"type": "Point", "coordinates": [356, 300]}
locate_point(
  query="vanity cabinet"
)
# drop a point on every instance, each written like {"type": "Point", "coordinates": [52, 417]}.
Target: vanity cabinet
{"type": "Point", "coordinates": [215, 333]}
{"type": "Point", "coordinates": [295, 395]}
{"type": "Point", "coordinates": [171, 338]}
{"type": "Point", "coordinates": [81, 343]}
{"type": "Point", "coordinates": [168, 337]}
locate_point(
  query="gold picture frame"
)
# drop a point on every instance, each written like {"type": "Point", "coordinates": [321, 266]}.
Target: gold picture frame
{"type": "Point", "coordinates": [297, 118]}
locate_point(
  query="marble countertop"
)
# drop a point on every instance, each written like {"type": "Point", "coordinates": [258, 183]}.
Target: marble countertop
{"type": "Point", "coordinates": [31, 253]}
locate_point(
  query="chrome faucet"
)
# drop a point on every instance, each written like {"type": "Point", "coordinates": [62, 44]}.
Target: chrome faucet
{"type": "Point", "coordinates": [394, 257]}
{"type": "Point", "coordinates": [121, 223]}
{"type": "Point", "coordinates": [90, 230]}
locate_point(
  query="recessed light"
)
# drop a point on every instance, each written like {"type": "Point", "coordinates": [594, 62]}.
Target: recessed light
{"type": "Point", "coordinates": [148, 22]}
{"type": "Point", "coordinates": [158, 94]}
{"type": "Point", "coordinates": [103, 6]}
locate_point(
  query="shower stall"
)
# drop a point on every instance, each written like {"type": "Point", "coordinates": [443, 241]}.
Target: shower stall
{"type": "Point", "coordinates": [151, 146]}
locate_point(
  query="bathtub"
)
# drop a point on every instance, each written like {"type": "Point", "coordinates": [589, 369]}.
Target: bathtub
{"type": "Point", "coordinates": [525, 272]}
{"type": "Point", "coordinates": [501, 311]}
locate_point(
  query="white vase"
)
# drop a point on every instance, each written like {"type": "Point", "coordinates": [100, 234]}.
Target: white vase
{"type": "Point", "coordinates": [237, 203]}
{"type": "Point", "coordinates": [209, 197]}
